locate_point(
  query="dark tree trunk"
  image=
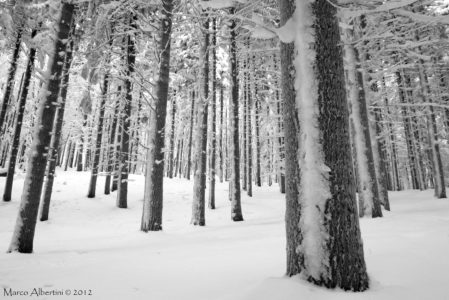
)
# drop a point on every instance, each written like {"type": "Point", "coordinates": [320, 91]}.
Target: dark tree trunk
{"type": "Point", "coordinates": [22, 240]}
{"type": "Point", "coordinates": [189, 153]}
{"type": "Point", "coordinates": [236, 206]}
{"type": "Point", "coordinates": [51, 164]}
{"type": "Point", "coordinates": [122, 192]}
{"type": "Point", "coordinates": [249, 149]}
{"type": "Point", "coordinates": [291, 123]}
{"type": "Point", "coordinates": [11, 74]}
{"type": "Point", "coordinates": [256, 121]}
{"type": "Point", "coordinates": [220, 139]}
{"type": "Point", "coordinates": [18, 128]}
{"type": "Point", "coordinates": [343, 264]}
{"type": "Point", "coordinates": [199, 181]}
{"type": "Point", "coordinates": [153, 197]}
{"type": "Point", "coordinates": [111, 146]}
{"type": "Point", "coordinates": [213, 131]}
{"type": "Point", "coordinates": [94, 174]}
{"type": "Point", "coordinates": [244, 125]}
{"type": "Point", "coordinates": [281, 139]}
{"type": "Point", "coordinates": [170, 161]}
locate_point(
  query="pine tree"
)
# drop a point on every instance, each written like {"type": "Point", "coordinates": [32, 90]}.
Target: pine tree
{"type": "Point", "coordinates": [22, 240]}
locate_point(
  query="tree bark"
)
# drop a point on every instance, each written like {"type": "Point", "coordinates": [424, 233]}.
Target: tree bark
{"type": "Point", "coordinates": [199, 181]}
{"type": "Point", "coordinates": [236, 206]}
{"type": "Point", "coordinates": [11, 74]}
{"type": "Point", "coordinates": [213, 108]}
{"type": "Point", "coordinates": [122, 192]}
{"type": "Point", "coordinates": [22, 240]}
{"type": "Point", "coordinates": [153, 197]}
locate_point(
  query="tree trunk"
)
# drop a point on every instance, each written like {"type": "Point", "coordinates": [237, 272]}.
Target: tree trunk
{"type": "Point", "coordinates": [94, 174]}
{"type": "Point", "coordinates": [153, 197]}
{"type": "Point", "coordinates": [111, 145]}
{"type": "Point", "coordinates": [51, 164]}
{"type": "Point", "coordinates": [172, 137]}
{"type": "Point", "coordinates": [11, 74]}
{"type": "Point", "coordinates": [236, 206]}
{"type": "Point", "coordinates": [330, 252]}
{"type": "Point", "coordinates": [213, 132]}
{"type": "Point", "coordinates": [369, 202]}
{"type": "Point", "coordinates": [189, 154]}
{"type": "Point", "coordinates": [199, 181]}
{"type": "Point", "coordinates": [22, 240]}
{"type": "Point", "coordinates": [249, 149]}
{"type": "Point", "coordinates": [18, 128]}
{"type": "Point", "coordinates": [122, 192]}
{"type": "Point", "coordinates": [290, 116]}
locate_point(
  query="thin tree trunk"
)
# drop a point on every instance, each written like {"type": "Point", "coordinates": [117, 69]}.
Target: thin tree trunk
{"type": "Point", "coordinates": [11, 74]}
{"type": "Point", "coordinates": [94, 174]}
{"type": "Point", "coordinates": [172, 137]}
{"type": "Point", "coordinates": [18, 128]}
{"type": "Point", "coordinates": [236, 207]}
{"type": "Point", "coordinates": [213, 131]}
{"type": "Point", "coordinates": [249, 149]}
{"type": "Point", "coordinates": [189, 154]}
{"type": "Point", "coordinates": [122, 192]}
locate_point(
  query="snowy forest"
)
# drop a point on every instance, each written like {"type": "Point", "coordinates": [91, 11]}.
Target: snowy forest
{"type": "Point", "coordinates": [224, 149]}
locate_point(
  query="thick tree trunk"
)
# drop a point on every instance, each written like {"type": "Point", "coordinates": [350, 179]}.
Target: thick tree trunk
{"type": "Point", "coordinates": [330, 251]}
{"type": "Point", "coordinates": [199, 181]}
{"type": "Point", "coordinates": [153, 197]}
{"type": "Point", "coordinates": [22, 240]}
{"type": "Point", "coordinates": [236, 206]}
{"type": "Point", "coordinates": [59, 119]}
{"type": "Point", "coordinates": [18, 127]}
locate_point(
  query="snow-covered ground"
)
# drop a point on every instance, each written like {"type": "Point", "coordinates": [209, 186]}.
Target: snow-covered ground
{"type": "Point", "coordinates": [89, 244]}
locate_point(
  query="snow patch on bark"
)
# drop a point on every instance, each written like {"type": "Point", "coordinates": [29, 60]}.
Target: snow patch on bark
{"type": "Point", "coordinates": [314, 184]}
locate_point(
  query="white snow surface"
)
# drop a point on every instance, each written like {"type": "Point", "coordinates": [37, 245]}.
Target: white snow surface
{"type": "Point", "coordinates": [90, 244]}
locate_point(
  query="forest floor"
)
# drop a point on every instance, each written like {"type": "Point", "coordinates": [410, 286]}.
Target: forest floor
{"type": "Point", "coordinates": [89, 244]}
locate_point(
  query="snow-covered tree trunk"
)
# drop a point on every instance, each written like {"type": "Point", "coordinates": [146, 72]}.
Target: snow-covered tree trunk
{"type": "Point", "coordinates": [110, 149]}
{"type": "Point", "coordinates": [22, 240]}
{"type": "Point", "coordinates": [330, 252]}
{"type": "Point", "coordinates": [153, 197]}
{"type": "Point", "coordinates": [18, 124]}
{"type": "Point", "coordinates": [170, 162]}
{"type": "Point", "coordinates": [369, 202]}
{"type": "Point", "coordinates": [199, 181]}
{"type": "Point", "coordinates": [11, 74]}
{"type": "Point", "coordinates": [291, 128]}
{"type": "Point", "coordinates": [96, 161]}
{"type": "Point", "coordinates": [189, 145]}
{"type": "Point", "coordinates": [213, 117]}
{"type": "Point", "coordinates": [221, 156]}
{"type": "Point", "coordinates": [234, 157]}
{"type": "Point", "coordinates": [249, 149]}
{"type": "Point", "coordinates": [59, 119]}
{"type": "Point", "coordinates": [122, 191]}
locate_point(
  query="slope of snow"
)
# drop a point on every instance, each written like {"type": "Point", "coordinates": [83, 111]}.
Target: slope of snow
{"type": "Point", "coordinates": [88, 244]}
